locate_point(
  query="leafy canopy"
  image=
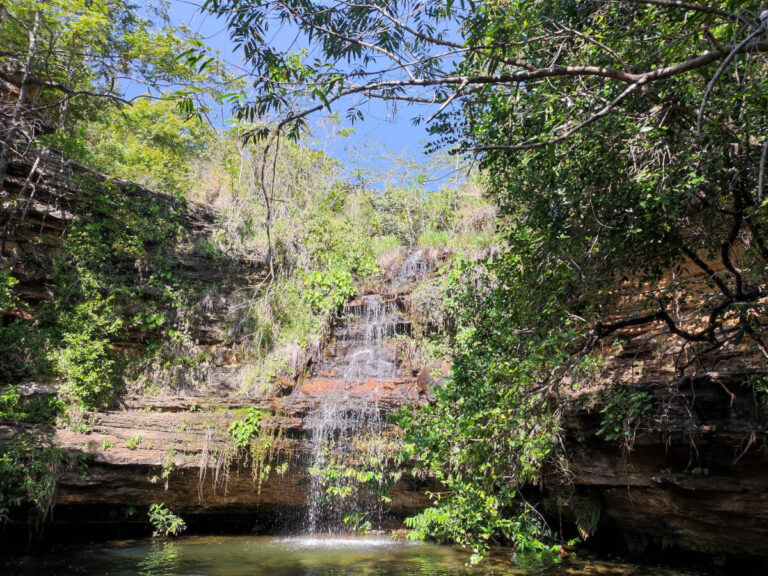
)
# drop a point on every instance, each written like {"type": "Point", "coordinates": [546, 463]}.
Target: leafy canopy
{"type": "Point", "coordinates": [622, 141]}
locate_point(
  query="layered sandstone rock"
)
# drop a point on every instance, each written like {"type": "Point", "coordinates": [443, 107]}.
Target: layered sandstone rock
{"type": "Point", "coordinates": [692, 477]}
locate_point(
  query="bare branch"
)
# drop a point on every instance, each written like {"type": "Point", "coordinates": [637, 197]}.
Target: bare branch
{"type": "Point", "coordinates": [711, 274]}
{"type": "Point", "coordinates": [447, 102]}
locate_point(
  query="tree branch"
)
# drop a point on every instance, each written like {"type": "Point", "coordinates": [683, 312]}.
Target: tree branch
{"type": "Point", "coordinates": [571, 131]}
{"type": "Point", "coordinates": [693, 7]}
{"type": "Point", "coordinates": [731, 55]}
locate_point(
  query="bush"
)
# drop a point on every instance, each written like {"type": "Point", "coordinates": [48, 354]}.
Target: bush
{"type": "Point", "coordinates": [23, 352]}
{"type": "Point", "coordinates": [133, 442]}
{"type": "Point", "coordinates": [29, 471]}
{"type": "Point", "coordinates": [164, 522]}
{"type": "Point", "coordinates": [7, 298]}
{"type": "Point", "coordinates": [87, 364]}
{"type": "Point", "coordinates": [243, 431]}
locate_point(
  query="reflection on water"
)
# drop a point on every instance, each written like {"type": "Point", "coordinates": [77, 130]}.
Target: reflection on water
{"type": "Point", "coordinates": [160, 558]}
{"type": "Point", "coordinates": [298, 556]}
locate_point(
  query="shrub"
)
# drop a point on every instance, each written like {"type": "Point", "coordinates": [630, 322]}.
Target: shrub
{"type": "Point", "coordinates": [164, 522]}
{"type": "Point", "coordinates": [625, 411]}
{"type": "Point", "coordinates": [29, 471]}
{"type": "Point", "coordinates": [243, 431]}
{"type": "Point", "coordinates": [133, 443]}
{"type": "Point", "coordinates": [7, 298]}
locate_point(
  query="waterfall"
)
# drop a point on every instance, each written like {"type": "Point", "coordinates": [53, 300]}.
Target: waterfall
{"type": "Point", "coordinates": [367, 357]}
{"type": "Point", "coordinates": [324, 427]}
{"type": "Point", "coordinates": [414, 266]}
{"type": "Point", "coordinates": [361, 357]}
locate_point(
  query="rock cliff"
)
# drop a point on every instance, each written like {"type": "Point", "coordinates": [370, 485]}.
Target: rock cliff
{"type": "Point", "coordinates": [676, 460]}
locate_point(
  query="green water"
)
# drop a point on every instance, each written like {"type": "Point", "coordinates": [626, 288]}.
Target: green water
{"type": "Point", "coordinates": [293, 556]}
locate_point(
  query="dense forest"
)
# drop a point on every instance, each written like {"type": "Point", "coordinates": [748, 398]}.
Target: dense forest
{"type": "Point", "coordinates": [597, 257]}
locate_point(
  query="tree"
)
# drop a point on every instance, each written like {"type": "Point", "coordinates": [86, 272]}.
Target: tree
{"type": "Point", "coordinates": [629, 173]}
{"type": "Point", "coordinates": [63, 62]}
{"type": "Point", "coordinates": [641, 168]}
{"type": "Point", "coordinates": [149, 142]}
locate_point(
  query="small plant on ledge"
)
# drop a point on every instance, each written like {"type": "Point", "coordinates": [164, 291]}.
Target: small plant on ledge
{"type": "Point", "coordinates": [133, 443]}
{"type": "Point", "coordinates": [164, 522]}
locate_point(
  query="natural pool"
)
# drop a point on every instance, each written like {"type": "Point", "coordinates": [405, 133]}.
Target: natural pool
{"type": "Point", "coordinates": [293, 556]}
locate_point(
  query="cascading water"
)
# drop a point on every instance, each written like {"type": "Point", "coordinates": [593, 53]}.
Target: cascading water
{"type": "Point", "coordinates": [414, 266]}
{"type": "Point", "coordinates": [368, 357]}
{"type": "Point", "coordinates": [323, 428]}
{"type": "Point", "coordinates": [361, 357]}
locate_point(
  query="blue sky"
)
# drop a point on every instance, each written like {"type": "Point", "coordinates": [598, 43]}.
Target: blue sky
{"type": "Point", "coordinates": [374, 140]}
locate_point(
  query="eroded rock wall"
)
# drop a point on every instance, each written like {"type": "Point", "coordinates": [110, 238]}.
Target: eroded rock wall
{"type": "Point", "coordinates": [690, 475]}
{"type": "Point", "coordinates": [663, 458]}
